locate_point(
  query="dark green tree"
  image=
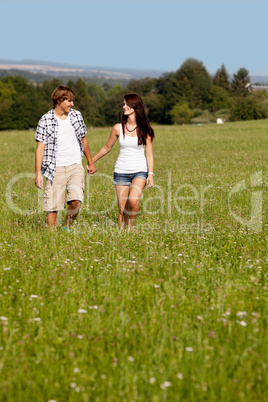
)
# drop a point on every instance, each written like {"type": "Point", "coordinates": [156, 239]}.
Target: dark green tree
{"type": "Point", "coordinates": [166, 87]}
{"type": "Point", "coordinates": [106, 86]}
{"type": "Point", "coordinates": [97, 92]}
{"type": "Point", "coordinates": [71, 84]}
{"type": "Point", "coordinates": [117, 88]}
{"type": "Point", "coordinates": [141, 87]}
{"type": "Point", "coordinates": [155, 107]}
{"type": "Point", "coordinates": [221, 78]}
{"type": "Point", "coordinates": [219, 98]}
{"type": "Point", "coordinates": [193, 84]}
{"type": "Point", "coordinates": [85, 103]}
{"type": "Point", "coordinates": [248, 108]}
{"type": "Point", "coordinates": [181, 113]}
{"type": "Point", "coordinates": [23, 111]}
{"type": "Point", "coordinates": [7, 96]}
{"type": "Point", "coordinates": [241, 82]}
{"type": "Point", "coordinates": [99, 97]}
{"type": "Point", "coordinates": [44, 92]}
{"type": "Point", "coordinates": [153, 101]}
{"type": "Point", "coordinates": [113, 108]}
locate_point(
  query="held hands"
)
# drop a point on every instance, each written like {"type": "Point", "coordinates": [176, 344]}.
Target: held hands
{"type": "Point", "coordinates": [91, 169]}
{"type": "Point", "coordinates": [150, 180]}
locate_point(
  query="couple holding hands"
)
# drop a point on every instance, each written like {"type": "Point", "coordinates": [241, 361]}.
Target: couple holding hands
{"type": "Point", "coordinates": [61, 143]}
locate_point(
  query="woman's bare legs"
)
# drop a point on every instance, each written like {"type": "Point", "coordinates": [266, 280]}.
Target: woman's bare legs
{"type": "Point", "coordinates": [122, 198]}
{"type": "Point", "coordinates": [126, 214]}
{"type": "Point", "coordinates": [129, 202]}
{"type": "Point", "coordinates": [133, 203]}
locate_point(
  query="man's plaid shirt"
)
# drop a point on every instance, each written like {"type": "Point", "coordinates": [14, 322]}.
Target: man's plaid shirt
{"type": "Point", "coordinates": [47, 133]}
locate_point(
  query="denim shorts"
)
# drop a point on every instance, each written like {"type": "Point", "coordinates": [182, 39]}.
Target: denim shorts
{"type": "Point", "coordinates": [125, 179]}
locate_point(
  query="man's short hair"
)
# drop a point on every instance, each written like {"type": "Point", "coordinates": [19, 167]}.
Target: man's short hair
{"type": "Point", "coordinates": [62, 93]}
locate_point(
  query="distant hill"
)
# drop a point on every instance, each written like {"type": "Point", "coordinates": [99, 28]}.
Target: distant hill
{"type": "Point", "coordinates": [34, 70]}
{"type": "Point", "coordinates": [41, 77]}
{"type": "Point", "coordinates": [255, 79]}
{"type": "Point", "coordinates": [62, 70]}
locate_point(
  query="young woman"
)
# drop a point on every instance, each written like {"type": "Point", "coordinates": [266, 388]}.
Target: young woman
{"type": "Point", "coordinates": [132, 170]}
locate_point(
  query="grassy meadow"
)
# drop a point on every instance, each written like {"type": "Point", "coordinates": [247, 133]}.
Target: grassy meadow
{"type": "Point", "coordinates": [175, 310]}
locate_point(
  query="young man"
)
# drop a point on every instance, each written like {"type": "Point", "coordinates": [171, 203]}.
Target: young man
{"type": "Point", "coordinates": [61, 142]}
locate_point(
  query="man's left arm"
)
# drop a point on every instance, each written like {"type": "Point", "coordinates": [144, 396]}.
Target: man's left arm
{"type": "Point", "coordinates": [90, 165]}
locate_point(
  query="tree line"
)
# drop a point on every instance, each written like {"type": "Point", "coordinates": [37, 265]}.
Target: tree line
{"type": "Point", "coordinates": [188, 96]}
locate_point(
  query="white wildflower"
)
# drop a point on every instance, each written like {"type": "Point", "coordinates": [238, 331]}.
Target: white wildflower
{"type": "Point", "coordinates": [76, 370]}
{"type": "Point", "coordinates": [36, 319]}
{"type": "Point", "coordinates": [241, 314]}
{"type": "Point", "coordinates": [152, 380]}
{"type": "Point", "coordinates": [82, 311]}
{"type": "Point", "coordinates": [199, 317]}
{"type": "Point", "coordinates": [180, 376]}
{"type": "Point", "coordinates": [189, 349]}
{"type": "Point", "coordinates": [242, 323]}
{"type": "Point", "coordinates": [166, 384]}
{"type": "Point", "coordinates": [156, 286]}
{"type": "Point", "coordinates": [131, 359]}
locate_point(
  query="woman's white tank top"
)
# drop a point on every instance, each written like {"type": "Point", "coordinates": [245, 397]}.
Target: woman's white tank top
{"type": "Point", "coordinates": [131, 158]}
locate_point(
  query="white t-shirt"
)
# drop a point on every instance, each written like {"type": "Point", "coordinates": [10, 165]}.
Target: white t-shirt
{"type": "Point", "coordinates": [68, 151]}
{"type": "Point", "coordinates": [131, 158]}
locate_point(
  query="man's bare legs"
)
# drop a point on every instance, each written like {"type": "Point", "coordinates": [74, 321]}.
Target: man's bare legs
{"type": "Point", "coordinates": [72, 212]}
{"type": "Point", "coordinates": [52, 219]}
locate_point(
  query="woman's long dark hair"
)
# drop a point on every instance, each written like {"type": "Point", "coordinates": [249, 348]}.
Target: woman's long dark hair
{"type": "Point", "coordinates": [143, 126]}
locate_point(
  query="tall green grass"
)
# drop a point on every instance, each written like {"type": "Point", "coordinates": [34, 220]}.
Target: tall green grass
{"type": "Point", "coordinates": [176, 310]}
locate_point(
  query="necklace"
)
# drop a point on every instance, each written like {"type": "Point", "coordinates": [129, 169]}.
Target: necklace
{"type": "Point", "coordinates": [131, 131]}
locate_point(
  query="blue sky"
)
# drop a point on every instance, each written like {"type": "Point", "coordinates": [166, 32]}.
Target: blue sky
{"type": "Point", "coordinates": [140, 34]}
